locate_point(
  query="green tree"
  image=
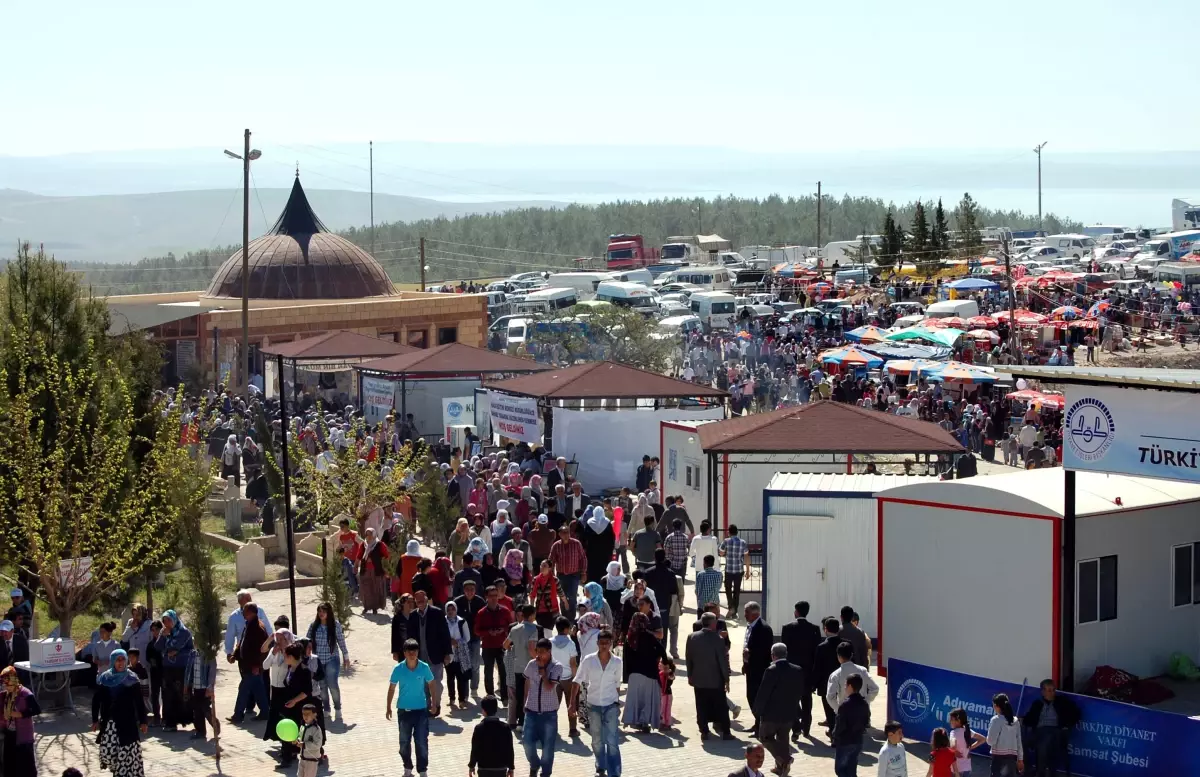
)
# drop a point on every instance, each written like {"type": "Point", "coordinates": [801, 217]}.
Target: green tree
{"type": "Point", "coordinates": [918, 238]}
{"type": "Point", "coordinates": [967, 217]}
{"type": "Point", "coordinates": [431, 503]}
{"type": "Point", "coordinates": [939, 234]}
{"type": "Point", "coordinates": [607, 332]}
{"type": "Point", "coordinates": [893, 243]}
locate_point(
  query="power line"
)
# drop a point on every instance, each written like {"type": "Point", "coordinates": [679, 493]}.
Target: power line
{"type": "Point", "coordinates": [514, 250]}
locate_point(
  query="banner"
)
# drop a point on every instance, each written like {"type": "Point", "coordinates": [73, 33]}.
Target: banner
{"type": "Point", "coordinates": [457, 411]}
{"type": "Point", "coordinates": [515, 417]}
{"type": "Point", "coordinates": [1111, 739]}
{"type": "Point", "coordinates": [483, 418]}
{"type": "Point", "coordinates": [379, 397]}
{"type": "Point", "coordinates": [1142, 432]}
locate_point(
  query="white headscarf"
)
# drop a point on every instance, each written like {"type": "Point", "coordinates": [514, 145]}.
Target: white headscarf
{"type": "Point", "coordinates": [598, 521]}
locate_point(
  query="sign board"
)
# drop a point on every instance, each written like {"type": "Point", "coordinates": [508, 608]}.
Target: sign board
{"type": "Point", "coordinates": [185, 355]}
{"type": "Point", "coordinates": [1142, 432]}
{"type": "Point", "coordinates": [1111, 740]}
{"type": "Point", "coordinates": [50, 653]}
{"type": "Point", "coordinates": [483, 419]}
{"type": "Point", "coordinates": [379, 397]}
{"type": "Point", "coordinates": [75, 572]}
{"type": "Point", "coordinates": [515, 417]}
{"type": "Point", "coordinates": [457, 411]}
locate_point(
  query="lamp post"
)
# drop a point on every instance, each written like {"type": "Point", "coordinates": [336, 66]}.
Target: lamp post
{"type": "Point", "coordinates": [1038, 150]}
{"type": "Point", "coordinates": [246, 157]}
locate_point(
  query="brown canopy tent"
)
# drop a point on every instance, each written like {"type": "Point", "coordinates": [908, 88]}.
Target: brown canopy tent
{"type": "Point", "coordinates": [330, 352]}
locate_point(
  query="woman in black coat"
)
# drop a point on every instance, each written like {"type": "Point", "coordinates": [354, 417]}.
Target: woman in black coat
{"type": "Point", "coordinates": [297, 691]}
{"type": "Point", "coordinates": [119, 713]}
{"type": "Point", "coordinates": [599, 540]}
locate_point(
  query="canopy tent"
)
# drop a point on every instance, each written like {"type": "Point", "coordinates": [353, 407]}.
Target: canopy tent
{"type": "Point", "coordinates": [850, 356]}
{"type": "Point", "coordinates": [958, 372]}
{"type": "Point", "coordinates": [867, 333]}
{"type": "Point", "coordinates": [331, 352]}
{"type": "Point", "coordinates": [972, 284]}
{"type": "Point", "coordinates": [1066, 313]}
{"type": "Point", "coordinates": [603, 380]}
{"type": "Point", "coordinates": [946, 337]}
{"type": "Point", "coordinates": [982, 322]}
{"type": "Point", "coordinates": [913, 366]}
{"type": "Point", "coordinates": [908, 350]}
{"type": "Point", "coordinates": [1042, 398]}
{"type": "Point", "coordinates": [984, 334]}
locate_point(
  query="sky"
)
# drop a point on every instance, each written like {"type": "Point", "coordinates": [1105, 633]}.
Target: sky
{"type": "Point", "coordinates": [762, 76]}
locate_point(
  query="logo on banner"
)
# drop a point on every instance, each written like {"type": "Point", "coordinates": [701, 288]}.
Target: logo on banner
{"type": "Point", "coordinates": [454, 410]}
{"type": "Point", "coordinates": [912, 699]}
{"type": "Point", "coordinates": [1090, 429]}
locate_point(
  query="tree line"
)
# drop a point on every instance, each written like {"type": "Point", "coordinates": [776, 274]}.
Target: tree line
{"type": "Point", "coordinates": [501, 243]}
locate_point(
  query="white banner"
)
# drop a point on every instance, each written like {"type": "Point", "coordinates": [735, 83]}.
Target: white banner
{"type": "Point", "coordinates": [457, 411]}
{"type": "Point", "coordinates": [483, 419]}
{"type": "Point", "coordinates": [379, 396]}
{"type": "Point", "coordinates": [514, 417]}
{"type": "Point", "coordinates": [1141, 432]}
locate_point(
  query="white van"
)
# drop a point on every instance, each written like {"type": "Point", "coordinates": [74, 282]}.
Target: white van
{"type": "Point", "coordinates": [628, 295]}
{"type": "Point", "coordinates": [684, 324]}
{"type": "Point", "coordinates": [518, 331]}
{"type": "Point", "coordinates": [707, 277]}
{"type": "Point", "coordinates": [716, 309]}
{"type": "Point", "coordinates": [1077, 246]}
{"type": "Point", "coordinates": [964, 308]}
{"type": "Point", "coordinates": [639, 275]}
{"type": "Point", "coordinates": [546, 301]}
{"type": "Point", "coordinates": [584, 283]}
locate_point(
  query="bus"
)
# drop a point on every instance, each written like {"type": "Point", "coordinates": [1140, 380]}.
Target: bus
{"type": "Point", "coordinates": [546, 301]}
{"type": "Point", "coordinates": [707, 277]}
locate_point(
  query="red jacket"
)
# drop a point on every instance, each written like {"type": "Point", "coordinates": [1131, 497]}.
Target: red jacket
{"type": "Point", "coordinates": [491, 626]}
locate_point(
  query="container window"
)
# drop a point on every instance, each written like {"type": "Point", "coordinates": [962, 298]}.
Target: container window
{"type": "Point", "coordinates": [1097, 589]}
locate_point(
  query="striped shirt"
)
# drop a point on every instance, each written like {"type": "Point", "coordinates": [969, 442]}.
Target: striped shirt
{"type": "Point", "coordinates": [319, 635]}
{"type": "Point", "coordinates": [567, 557]}
{"type": "Point", "coordinates": [708, 587]}
{"type": "Point", "coordinates": [676, 544]}
{"type": "Point", "coordinates": [735, 549]}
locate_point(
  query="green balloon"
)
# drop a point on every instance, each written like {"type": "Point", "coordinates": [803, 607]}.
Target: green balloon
{"type": "Point", "coordinates": [287, 730]}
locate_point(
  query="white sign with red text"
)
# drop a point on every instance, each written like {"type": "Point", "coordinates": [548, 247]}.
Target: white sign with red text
{"type": "Point", "coordinates": [514, 417]}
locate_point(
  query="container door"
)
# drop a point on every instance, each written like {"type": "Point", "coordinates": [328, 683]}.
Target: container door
{"type": "Point", "coordinates": [797, 565]}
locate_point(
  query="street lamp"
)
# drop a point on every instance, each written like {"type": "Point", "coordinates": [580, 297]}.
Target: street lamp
{"type": "Point", "coordinates": [1038, 150]}
{"type": "Point", "coordinates": [246, 157]}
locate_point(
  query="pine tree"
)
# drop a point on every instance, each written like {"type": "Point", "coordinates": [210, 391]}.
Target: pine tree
{"type": "Point", "coordinates": [918, 240]}
{"type": "Point", "coordinates": [967, 218]}
{"type": "Point", "coordinates": [940, 233]}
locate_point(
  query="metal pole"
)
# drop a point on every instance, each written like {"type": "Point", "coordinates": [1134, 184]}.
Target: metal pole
{"type": "Point", "coordinates": [289, 530]}
{"type": "Point", "coordinates": [245, 360]}
{"type": "Point", "coordinates": [1067, 680]}
{"type": "Point", "coordinates": [1038, 150]}
{"type": "Point", "coordinates": [1012, 304]}
{"type": "Point", "coordinates": [422, 261]}
{"type": "Point", "coordinates": [372, 147]}
{"type": "Point", "coordinates": [818, 218]}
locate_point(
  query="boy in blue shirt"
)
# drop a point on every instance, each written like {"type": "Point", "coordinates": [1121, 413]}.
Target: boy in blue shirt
{"type": "Point", "coordinates": [412, 677]}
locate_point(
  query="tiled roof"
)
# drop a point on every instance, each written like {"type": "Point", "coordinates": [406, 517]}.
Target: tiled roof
{"type": "Point", "coordinates": [604, 380]}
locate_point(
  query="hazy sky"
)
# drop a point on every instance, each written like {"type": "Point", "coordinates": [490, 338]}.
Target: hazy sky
{"type": "Point", "coordinates": [1096, 75]}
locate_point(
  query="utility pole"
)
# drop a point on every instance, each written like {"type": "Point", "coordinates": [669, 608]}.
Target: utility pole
{"type": "Point", "coordinates": [818, 218]}
{"type": "Point", "coordinates": [246, 360]}
{"type": "Point", "coordinates": [421, 259]}
{"type": "Point", "coordinates": [372, 147]}
{"type": "Point", "coordinates": [700, 216]}
{"type": "Point", "coordinates": [1013, 350]}
{"type": "Point", "coordinates": [1038, 150]}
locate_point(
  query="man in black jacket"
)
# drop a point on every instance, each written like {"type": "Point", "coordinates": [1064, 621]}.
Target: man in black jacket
{"type": "Point", "coordinates": [674, 511]}
{"type": "Point", "coordinates": [468, 605]}
{"type": "Point", "coordinates": [644, 474]}
{"type": "Point", "coordinates": [756, 656]}
{"type": "Point", "coordinates": [783, 685]}
{"type": "Point", "coordinates": [853, 717]}
{"type": "Point", "coordinates": [802, 639]}
{"type": "Point", "coordinates": [491, 744]}
{"type": "Point", "coordinates": [427, 625]}
{"type": "Point", "coordinates": [826, 663]}
{"type": "Point", "coordinates": [663, 582]}
{"type": "Point", "coordinates": [1048, 724]}
{"type": "Point", "coordinates": [14, 646]}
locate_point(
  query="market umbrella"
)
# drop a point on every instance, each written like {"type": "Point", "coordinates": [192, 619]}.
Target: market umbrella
{"type": "Point", "coordinates": [947, 337]}
{"type": "Point", "coordinates": [1025, 281]}
{"type": "Point", "coordinates": [1066, 313]}
{"type": "Point", "coordinates": [932, 323]}
{"type": "Point", "coordinates": [744, 335]}
{"type": "Point", "coordinates": [867, 334]}
{"type": "Point", "coordinates": [910, 366]}
{"type": "Point", "coordinates": [1099, 308]}
{"type": "Point", "coordinates": [1003, 314]}
{"type": "Point", "coordinates": [972, 284]}
{"type": "Point", "coordinates": [1025, 395]}
{"type": "Point", "coordinates": [957, 372]}
{"type": "Point", "coordinates": [955, 322]}
{"type": "Point", "coordinates": [820, 286]}
{"type": "Point", "coordinates": [852, 356]}
{"type": "Point", "coordinates": [983, 334]}
{"type": "Point", "coordinates": [1085, 323]}
{"type": "Point", "coordinates": [981, 322]}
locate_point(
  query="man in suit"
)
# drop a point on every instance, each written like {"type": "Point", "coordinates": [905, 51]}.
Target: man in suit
{"type": "Point", "coordinates": [14, 646]}
{"type": "Point", "coordinates": [577, 502]}
{"type": "Point", "coordinates": [826, 663]}
{"type": "Point", "coordinates": [708, 673]}
{"type": "Point", "coordinates": [756, 653]}
{"type": "Point", "coordinates": [755, 755]}
{"type": "Point", "coordinates": [855, 636]}
{"type": "Point", "coordinates": [558, 475]}
{"type": "Point", "coordinates": [802, 639]}
{"type": "Point", "coordinates": [557, 507]}
{"type": "Point", "coordinates": [783, 685]}
{"type": "Point", "coordinates": [427, 625]}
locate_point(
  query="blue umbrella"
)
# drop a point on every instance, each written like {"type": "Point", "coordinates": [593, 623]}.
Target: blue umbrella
{"type": "Point", "coordinates": [972, 284]}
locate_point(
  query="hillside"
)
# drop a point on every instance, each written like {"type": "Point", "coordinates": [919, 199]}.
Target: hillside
{"type": "Point", "coordinates": [122, 228]}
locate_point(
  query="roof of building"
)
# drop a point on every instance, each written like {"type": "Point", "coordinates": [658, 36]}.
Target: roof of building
{"type": "Point", "coordinates": [604, 380]}
{"type": "Point", "coordinates": [858, 483]}
{"type": "Point", "coordinates": [826, 427]}
{"type": "Point", "coordinates": [340, 344]}
{"type": "Point", "coordinates": [452, 358]}
{"type": "Point", "coordinates": [300, 259]}
{"type": "Point", "coordinates": [1136, 377]}
{"type": "Point", "coordinates": [1095, 492]}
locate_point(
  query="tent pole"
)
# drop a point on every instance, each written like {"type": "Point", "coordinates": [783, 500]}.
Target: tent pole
{"type": "Point", "coordinates": [1067, 679]}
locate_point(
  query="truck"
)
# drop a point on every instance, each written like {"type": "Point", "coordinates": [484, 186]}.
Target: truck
{"type": "Point", "coordinates": [627, 252]}
{"type": "Point", "coordinates": [1185, 213]}
{"type": "Point", "coordinates": [1170, 247]}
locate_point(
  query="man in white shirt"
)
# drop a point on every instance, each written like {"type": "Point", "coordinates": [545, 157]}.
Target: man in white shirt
{"type": "Point", "coordinates": [703, 544]}
{"type": "Point", "coordinates": [1027, 437]}
{"type": "Point", "coordinates": [835, 691]}
{"type": "Point", "coordinates": [600, 673]}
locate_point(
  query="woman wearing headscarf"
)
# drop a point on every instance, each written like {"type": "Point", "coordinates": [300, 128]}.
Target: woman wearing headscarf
{"type": "Point", "coordinates": [231, 458]}
{"type": "Point", "coordinates": [441, 576]}
{"type": "Point", "coordinates": [512, 479]}
{"type": "Point", "coordinates": [515, 573]}
{"type": "Point", "coordinates": [137, 629]}
{"type": "Point", "coordinates": [478, 547]}
{"type": "Point", "coordinates": [407, 568]}
{"type": "Point", "coordinates": [296, 692]}
{"type": "Point", "coordinates": [501, 529]}
{"type": "Point", "coordinates": [119, 713]}
{"type": "Point", "coordinates": [526, 508]}
{"type": "Point", "coordinates": [597, 603]}
{"type": "Point", "coordinates": [614, 584]}
{"type": "Point", "coordinates": [544, 594]}
{"type": "Point", "coordinates": [598, 542]}
{"type": "Point", "coordinates": [495, 492]}
{"type": "Point", "coordinates": [371, 574]}
{"type": "Point", "coordinates": [175, 646]}
{"type": "Point", "coordinates": [458, 672]}
{"type": "Point", "coordinates": [642, 509]}
{"type": "Point", "coordinates": [459, 541]}
{"type": "Point", "coordinates": [479, 494]}
{"type": "Point", "coordinates": [535, 487]}
{"type": "Point", "coordinates": [276, 670]}
{"type": "Point", "coordinates": [489, 573]}
{"type": "Point", "coordinates": [588, 629]}
{"type": "Point", "coordinates": [643, 698]}
{"type": "Point", "coordinates": [18, 707]}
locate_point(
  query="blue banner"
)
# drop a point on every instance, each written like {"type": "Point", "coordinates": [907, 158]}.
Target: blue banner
{"type": "Point", "coordinates": [1111, 739]}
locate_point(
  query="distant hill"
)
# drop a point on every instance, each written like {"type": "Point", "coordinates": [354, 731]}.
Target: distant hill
{"type": "Point", "coordinates": [122, 228]}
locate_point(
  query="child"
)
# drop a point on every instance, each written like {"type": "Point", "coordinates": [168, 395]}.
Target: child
{"type": "Point", "coordinates": [666, 676]}
{"type": "Point", "coordinates": [139, 669]}
{"type": "Point", "coordinates": [893, 760]}
{"type": "Point", "coordinates": [155, 665]}
{"type": "Point", "coordinates": [458, 671]}
{"type": "Point", "coordinates": [963, 740]}
{"type": "Point", "coordinates": [311, 741]}
{"type": "Point", "coordinates": [942, 761]}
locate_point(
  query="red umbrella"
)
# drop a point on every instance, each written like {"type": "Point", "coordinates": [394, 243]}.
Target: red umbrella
{"type": "Point", "coordinates": [981, 322]}
{"type": "Point", "coordinates": [955, 322]}
{"type": "Point", "coordinates": [1019, 312]}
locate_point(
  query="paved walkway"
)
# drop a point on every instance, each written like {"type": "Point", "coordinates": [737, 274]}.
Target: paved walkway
{"type": "Point", "coordinates": [365, 744]}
